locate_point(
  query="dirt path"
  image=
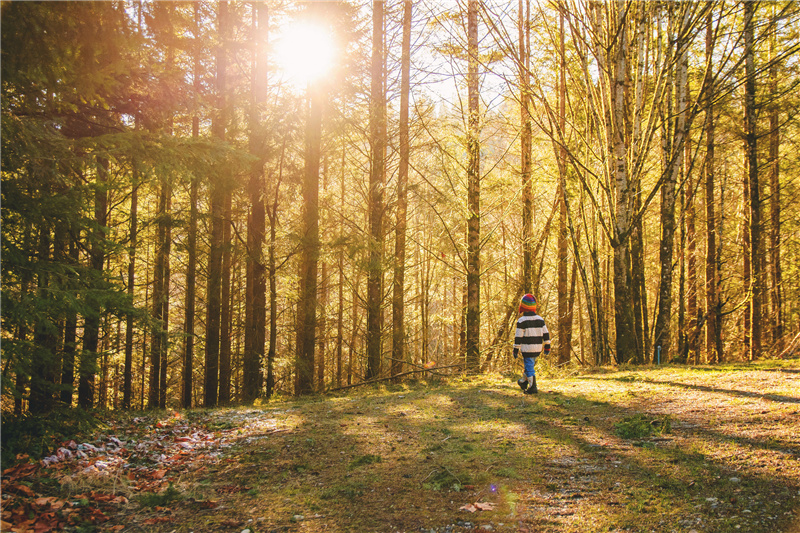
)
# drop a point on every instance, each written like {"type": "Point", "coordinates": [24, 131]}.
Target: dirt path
{"type": "Point", "coordinates": [667, 449]}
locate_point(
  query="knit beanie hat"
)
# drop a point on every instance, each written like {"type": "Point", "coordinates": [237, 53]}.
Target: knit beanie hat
{"type": "Point", "coordinates": [527, 304]}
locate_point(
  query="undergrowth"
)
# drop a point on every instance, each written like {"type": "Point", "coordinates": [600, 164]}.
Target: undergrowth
{"type": "Point", "coordinates": [37, 435]}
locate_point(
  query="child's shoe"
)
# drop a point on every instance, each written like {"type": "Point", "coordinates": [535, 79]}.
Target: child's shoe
{"type": "Point", "coordinates": [532, 389]}
{"type": "Point", "coordinates": [523, 384]}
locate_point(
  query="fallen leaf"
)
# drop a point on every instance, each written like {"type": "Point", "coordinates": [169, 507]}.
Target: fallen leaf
{"type": "Point", "coordinates": [158, 474]}
{"type": "Point", "coordinates": [157, 520]}
{"type": "Point", "coordinates": [469, 507]}
{"type": "Point", "coordinates": [21, 489]}
{"type": "Point", "coordinates": [485, 506]}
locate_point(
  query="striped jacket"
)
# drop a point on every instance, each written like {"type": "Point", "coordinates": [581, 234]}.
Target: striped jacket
{"type": "Point", "coordinates": [532, 336]}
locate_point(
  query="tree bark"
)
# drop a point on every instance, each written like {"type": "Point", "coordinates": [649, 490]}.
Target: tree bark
{"type": "Point", "coordinates": [776, 271]}
{"type": "Point", "coordinates": [473, 295]}
{"type": "Point", "coordinates": [306, 307]}
{"type": "Point", "coordinates": [214, 283]}
{"type": "Point", "coordinates": [377, 128]}
{"type": "Point", "coordinates": [91, 326]}
{"type": "Point", "coordinates": [398, 285]}
{"type": "Point", "coordinates": [127, 386]}
{"type": "Point", "coordinates": [226, 305]}
{"type": "Point", "coordinates": [754, 200]}
{"type": "Point", "coordinates": [525, 139]}
{"type": "Point", "coordinates": [713, 339]}
{"type": "Point", "coordinates": [564, 316]}
{"type": "Point", "coordinates": [256, 309]}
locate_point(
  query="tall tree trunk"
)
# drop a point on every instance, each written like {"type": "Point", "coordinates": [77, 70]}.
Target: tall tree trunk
{"type": "Point", "coordinates": [377, 133]}
{"type": "Point", "coordinates": [91, 326]}
{"type": "Point", "coordinates": [525, 139]}
{"type": "Point", "coordinates": [564, 316]}
{"type": "Point", "coordinates": [70, 339]}
{"type": "Point", "coordinates": [776, 274]}
{"type": "Point", "coordinates": [322, 334]}
{"type": "Point", "coordinates": [713, 309]}
{"type": "Point", "coordinates": [226, 310]}
{"type": "Point", "coordinates": [623, 312]}
{"type": "Point", "coordinates": [637, 235]}
{"type": "Point", "coordinates": [162, 390]}
{"type": "Point", "coordinates": [473, 294]}
{"type": "Point", "coordinates": [256, 309]}
{"type": "Point", "coordinates": [399, 289]}
{"type": "Point", "coordinates": [673, 157]}
{"type": "Point", "coordinates": [693, 329]}
{"type": "Point", "coordinates": [272, 270]}
{"type": "Point", "coordinates": [127, 387]}
{"type": "Point", "coordinates": [306, 307]}
{"type": "Point", "coordinates": [190, 307]}
{"type": "Point", "coordinates": [214, 284]}
{"type": "Point", "coordinates": [44, 356]}
{"type": "Point", "coordinates": [158, 344]}
{"type": "Point", "coordinates": [340, 264]}
{"type": "Point", "coordinates": [754, 200]}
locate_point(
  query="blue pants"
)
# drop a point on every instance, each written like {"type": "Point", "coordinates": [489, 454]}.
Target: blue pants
{"type": "Point", "coordinates": [530, 363]}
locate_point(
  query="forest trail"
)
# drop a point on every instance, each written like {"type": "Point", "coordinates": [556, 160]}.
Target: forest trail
{"type": "Point", "coordinates": [703, 449]}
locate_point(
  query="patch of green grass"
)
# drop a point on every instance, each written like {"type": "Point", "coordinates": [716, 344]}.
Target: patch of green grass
{"type": "Point", "coordinates": [367, 459]}
{"type": "Point", "coordinates": [161, 499]}
{"type": "Point", "coordinates": [443, 479]}
{"type": "Point", "coordinates": [350, 490]}
{"type": "Point", "coordinates": [641, 427]}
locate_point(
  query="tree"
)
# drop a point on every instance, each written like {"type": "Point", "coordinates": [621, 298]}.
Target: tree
{"type": "Point", "coordinates": [473, 304]}
{"type": "Point", "coordinates": [753, 187]}
{"type": "Point", "coordinates": [256, 269]}
{"type": "Point", "coordinates": [399, 288]}
{"type": "Point", "coordinates": [217, 201]}
{"type": "Point", "coordinates": [377, 133]}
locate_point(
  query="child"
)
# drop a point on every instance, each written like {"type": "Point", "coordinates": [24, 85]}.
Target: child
{"type": "Point", "coordinates": [531, 338]}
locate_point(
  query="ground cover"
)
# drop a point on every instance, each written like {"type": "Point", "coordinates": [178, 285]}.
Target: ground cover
{"type": "Point", "coordinates": [704, 449]}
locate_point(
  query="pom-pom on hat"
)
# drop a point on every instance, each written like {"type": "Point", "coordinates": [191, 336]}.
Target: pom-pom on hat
{"type": "Point", "coordinates": [528, 303]}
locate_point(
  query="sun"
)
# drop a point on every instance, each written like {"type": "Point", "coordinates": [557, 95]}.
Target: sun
{"type": "Point", "coordinates": [305, 53]}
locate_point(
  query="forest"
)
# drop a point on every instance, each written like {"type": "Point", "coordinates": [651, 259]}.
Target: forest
{"type": "Point", "coordinates": [216, 203]}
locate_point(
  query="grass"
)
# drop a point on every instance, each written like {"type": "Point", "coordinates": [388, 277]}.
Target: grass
{"type": "Point", "coordinates": [641, 449]}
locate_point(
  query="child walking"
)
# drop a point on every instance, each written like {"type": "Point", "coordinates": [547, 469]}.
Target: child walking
{"type": "Point", "coordinates": [531, 339]}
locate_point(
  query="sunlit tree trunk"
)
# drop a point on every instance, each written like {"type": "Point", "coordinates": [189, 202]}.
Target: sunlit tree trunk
{"type": "Point", "coordinates": [754, 199]}
{"type": "Point", "coordinates": [214, 283]}
{"type": "Point", "coordinates": [226, 307]}
{"type": "Point", "coordinates": [776, 271]}
{"type": "Point", "coordinates": [309, 253]}
{"type": "Point", "coordinates": [398, 296]}
{"type": "Point", "coordinates": [127, 387]}
{"type": "Point", "coordinates": [673, 158]}
{"type": "Point", "coordinates": [164, 332]}
{"type": "Point", "coordinates": [713, 339]}
{"type": "Point", "coordinates": [473, 294]}
{"type": "Point", "coordinates": [377, 132]}
{"type": "Point", "coordinates": [623, 312]}
{"type": "Point", "coordinates": [525, 139]}
{"type": "Point", "coordinates": [564, 316]}
{"type": "Point", "coordinates": [639, 288]}
{"type": "Point", "coordinates": [160, 298]}
{"type": "Point", "coordinates": [256, 290]}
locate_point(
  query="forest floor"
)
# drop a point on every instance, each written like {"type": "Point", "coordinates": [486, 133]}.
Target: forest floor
{"type": "Point", "coordinates": [662, 449]}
